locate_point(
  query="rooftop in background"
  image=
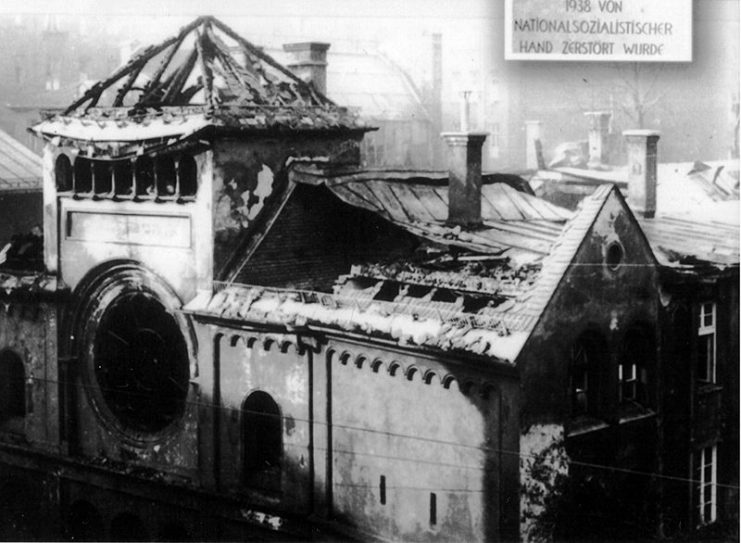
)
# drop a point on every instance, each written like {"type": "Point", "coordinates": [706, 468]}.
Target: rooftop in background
{"type": "Point", "coordinates": [695, 191]}
{"type": "Point", "coordinates": [370, 82]}
{"type": "Point", "coordinates": [697, 216]}
{"type": "Point", "coordinates": [20, 169]}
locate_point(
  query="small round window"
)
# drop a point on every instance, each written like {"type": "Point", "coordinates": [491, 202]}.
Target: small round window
{"type": "Point", "coordinates": [614, 255]}
{"type": "Point", "coordinates": [141, 363]}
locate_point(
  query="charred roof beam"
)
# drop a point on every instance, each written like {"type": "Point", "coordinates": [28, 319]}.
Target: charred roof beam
{"type": "Point", "coordinates": [96, 90]}
{"type": "Point", "coordinates": [318, 98]}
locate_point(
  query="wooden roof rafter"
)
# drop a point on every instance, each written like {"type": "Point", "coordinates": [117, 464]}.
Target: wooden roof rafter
{"type": "Point", "coordinates": [318, 97]}
{"type": "Point", "coordinates": [208, 76]}
{"type": "Point", "coordinates": [94, 93]}
{"type": "Point", "coordinates": [246, 78]}
{"type": "Point", "coordinates": [178, 79]}
{"type": "Point", "coordinates": [153, 86]}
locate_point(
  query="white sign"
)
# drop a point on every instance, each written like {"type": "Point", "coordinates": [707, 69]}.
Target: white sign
{"type": "Point", "coordinates": [607, 30]}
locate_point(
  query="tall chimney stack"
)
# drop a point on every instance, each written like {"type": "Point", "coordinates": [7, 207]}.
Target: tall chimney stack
{"type": "Point", "coordinates": [464, 173]}
{"type": "Point", "coordinates": [642, 172]}
{"type": "Point", "coordinates": [309, 62]}
{"type": "Point", "coordinates": [599, 125]}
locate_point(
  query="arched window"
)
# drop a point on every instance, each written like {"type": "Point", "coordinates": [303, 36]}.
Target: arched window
{"type": "Point", "coordinates": [141, 362]}
{"type": "Point", "coordinates": [102, 177]}
{"type": "Point", "coordinates": [12, 386]}
{"type": "Point", "coordinates": [188, 174]}
{"type": "Point", "coordinates": [144, 175]}
{"type": "Point", "coordinates": [586, 370]}
{"type": "Point", "coordinates": [634, 367]}
{"type": "Point", "coordinates": [83, 176]}
{"type": "Point", "coordinates": [166, 179]}
{"type": "Point", "coordinates": [63, 173]}
{"type": "Point", "coordinates": [262, 433]}
{"type": "Point", "coordinates": [123, 178]}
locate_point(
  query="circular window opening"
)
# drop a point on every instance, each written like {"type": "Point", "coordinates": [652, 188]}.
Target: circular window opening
{"type": "Point", "coordinates": [614, 256]}
{"type": "Point", "coordinates": [141, 363]}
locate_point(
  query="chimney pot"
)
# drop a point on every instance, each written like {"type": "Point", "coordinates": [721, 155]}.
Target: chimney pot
{"type": "Point", "coordinates": [309, 62]}
{"type": "Point", "coordinates": [642, 170]}
{"type": "Point", "coordinates": [464, 177]}
{"type": "Point", "coordinates": [532, 135]}
{"type": "Point", "coordinates": [599, 125]}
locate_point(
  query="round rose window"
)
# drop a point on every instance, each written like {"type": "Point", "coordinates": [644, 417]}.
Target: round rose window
{"type": "Point", "coordinates": [140, 363]}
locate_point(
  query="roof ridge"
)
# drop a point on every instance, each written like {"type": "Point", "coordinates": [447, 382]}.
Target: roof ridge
{"type": "Point", "coordinates": [563, 251]}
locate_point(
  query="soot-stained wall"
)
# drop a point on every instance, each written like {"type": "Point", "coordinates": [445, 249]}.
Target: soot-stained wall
{"type": "Point", "coordinates": [28, 331]}
{"type": "Point", "coordinates": [382, 440]}
{"type": "Point", "coordinates": [251, 174]}
{"type": "Point", "coordinates": [606, 301]}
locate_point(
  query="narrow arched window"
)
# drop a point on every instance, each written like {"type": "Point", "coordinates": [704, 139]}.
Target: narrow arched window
{"type": "Point", "coordinates": [188, 176]}
{"type": "Point", "coordinates": [12, 386]}
{"type": "Point", "coordinates": [123, 178]}
{"type": "Point", "coordinates": [83, 176]}
{"type": "Point", "coordinates": [262, 432]}
{"type": "Point", "coordinates": [634, 367]}
{"type": "Point", "coordinates": [586, 373]}
{"type": "Point", "coordinates": [164, 167]}
{"type": "Point", "coordinates": [102, 178]}
{"type": "Point", "coordinates": [144, 176]}
{"type": "Point", "coordinates": [63, 173]}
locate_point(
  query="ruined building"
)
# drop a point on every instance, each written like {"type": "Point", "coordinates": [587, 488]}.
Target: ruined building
{"type": "Point", "coordinates": [239, 334]}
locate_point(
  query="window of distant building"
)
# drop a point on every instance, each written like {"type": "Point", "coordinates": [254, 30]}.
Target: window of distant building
{"type": "Point", "coordinates": [706, 343]}
{"type": "Point", "coordinates": [706, 461]}
{"type": "Point", "coordinates": [262, 438]}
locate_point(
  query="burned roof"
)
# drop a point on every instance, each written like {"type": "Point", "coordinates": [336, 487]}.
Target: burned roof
{"type": "Point", "coordinates": [20, 168]}
{"type": "Point", "coordinates": [475, 301]}
{"type": "Point", "coordinates": [207, 70]}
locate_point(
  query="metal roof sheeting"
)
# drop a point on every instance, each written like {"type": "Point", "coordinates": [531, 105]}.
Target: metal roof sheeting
{"type": "Point", "coordinates": [679, 241]}
{"type": "Point", "coordinates": [513, 221]}
{"type": "Point", "coordinates": [20, 168]}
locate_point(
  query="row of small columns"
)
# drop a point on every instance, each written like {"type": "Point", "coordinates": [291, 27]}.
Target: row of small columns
{"type": "Point", "coordinates": [143, 178]}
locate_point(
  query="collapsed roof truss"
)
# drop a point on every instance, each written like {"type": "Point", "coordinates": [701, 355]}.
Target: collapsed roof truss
{"type": "Point", "coordinates": [212, 73]}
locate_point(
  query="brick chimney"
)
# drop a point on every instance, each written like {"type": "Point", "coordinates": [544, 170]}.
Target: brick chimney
{"type": "Point", "coordinates": [464, 172]}
{"type": "Point", "coordinates": [642, 177]}
{"type": "Point", "coordinates": [599, 125]}
{"type": "Point", "coordinates": [309, 62]}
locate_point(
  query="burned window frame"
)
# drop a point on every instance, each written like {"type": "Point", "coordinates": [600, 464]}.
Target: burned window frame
{"type": "Point", "coordinates": [635, 367]}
